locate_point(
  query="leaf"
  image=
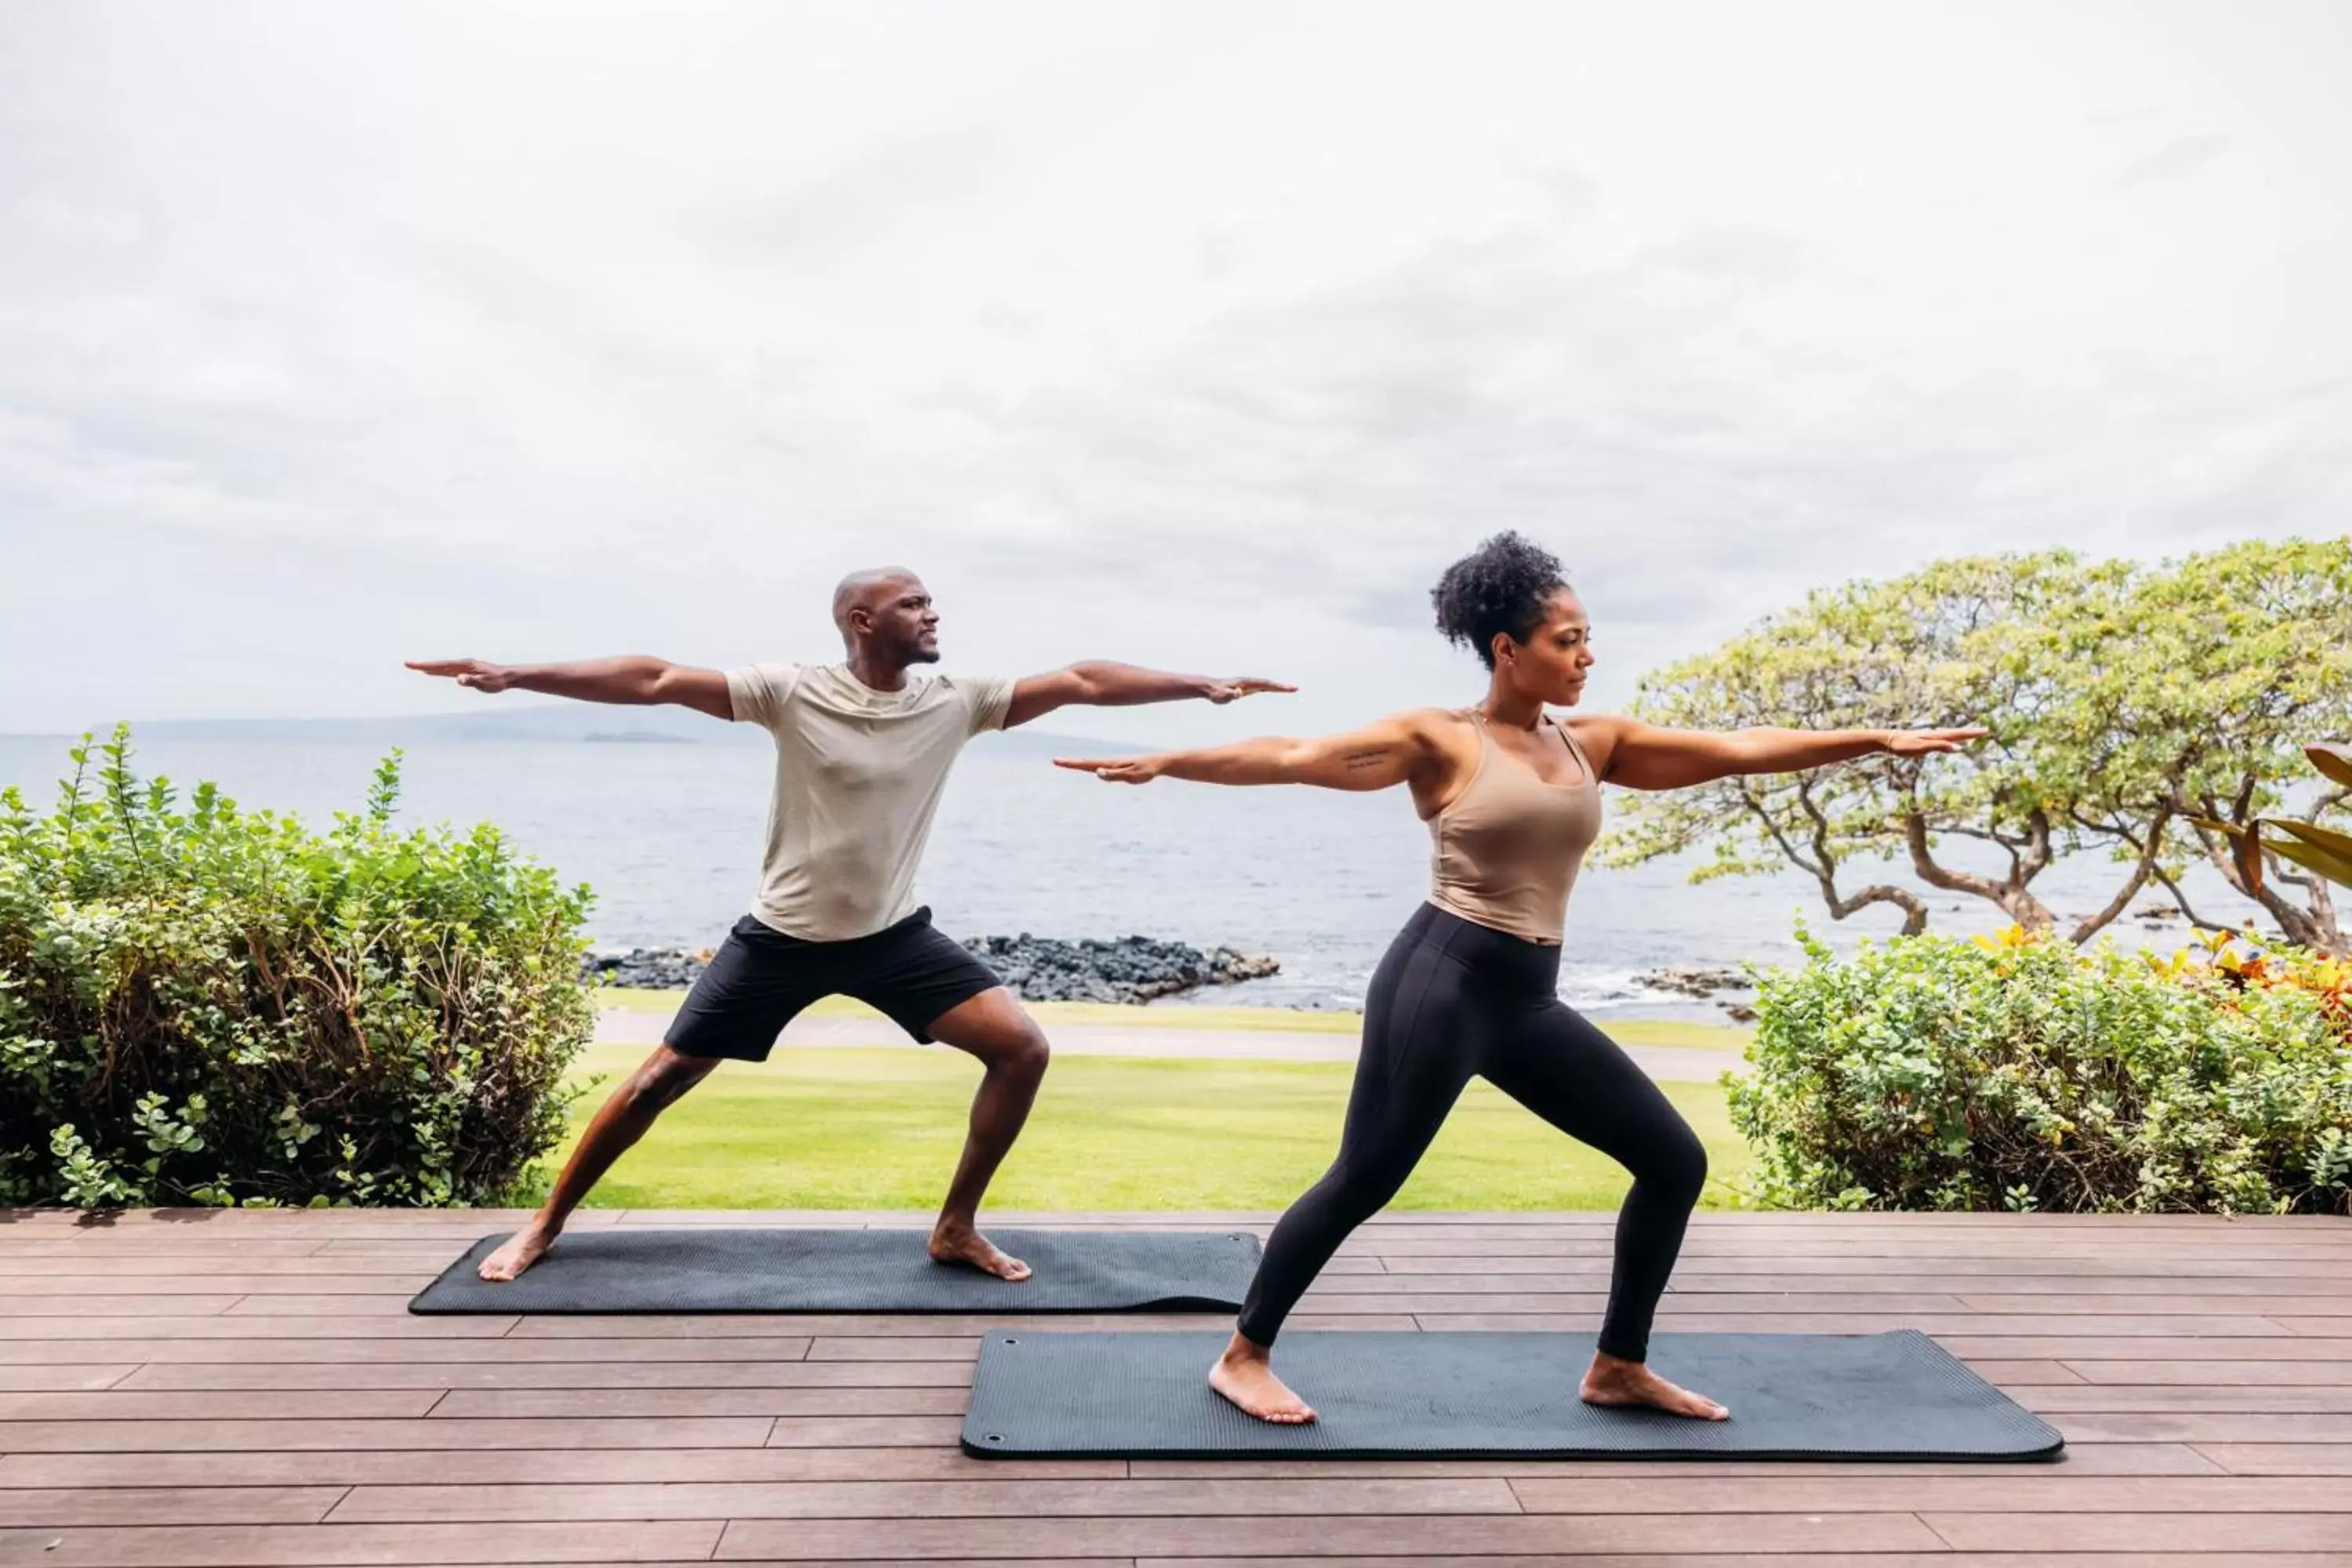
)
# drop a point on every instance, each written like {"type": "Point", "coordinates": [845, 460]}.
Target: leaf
{"type": "Point", "coordinates": [2333, 760]}
{"type": "Point", "coordinates": [2329, 854]}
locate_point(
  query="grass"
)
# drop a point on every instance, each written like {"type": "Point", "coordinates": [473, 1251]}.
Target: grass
{"type": "Point", "coordinates": [1286, 1020]}
{"type": "Point", "coordinates": [881, 1129]}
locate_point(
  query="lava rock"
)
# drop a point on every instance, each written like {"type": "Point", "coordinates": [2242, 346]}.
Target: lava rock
{"type": "Point", "coordinates": [1134, 969]}
{"type": "Point", "coordinates": [646, 968]}
{"type": "Point", "coordinates": [1131, 969]}
{"type": "Point", "coordinates": [1694, 980]}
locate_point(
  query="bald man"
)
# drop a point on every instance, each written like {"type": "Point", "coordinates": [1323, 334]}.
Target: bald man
{"type": "Point", "coordinates": [863, 750]}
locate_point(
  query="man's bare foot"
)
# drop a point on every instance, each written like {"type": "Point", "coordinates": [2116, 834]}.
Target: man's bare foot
{"type": "Point", "coordinates": [518, 1252]}
{"type": "Point", "coordinates": [1609, 1380]}
{"type": "Point", "coordinates": [961, 1244]}
{"type": "Point", "coordinates": [1245, 1375]}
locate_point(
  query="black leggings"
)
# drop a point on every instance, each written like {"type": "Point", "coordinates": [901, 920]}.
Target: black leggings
{"type": "Point", "coordinates": [1453, 999]}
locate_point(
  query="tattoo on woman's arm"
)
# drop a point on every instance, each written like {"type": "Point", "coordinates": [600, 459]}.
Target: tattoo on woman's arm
{"type": "Point", "coordinates": [1370, 757]}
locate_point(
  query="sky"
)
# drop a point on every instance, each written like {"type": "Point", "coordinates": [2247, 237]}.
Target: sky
{"type": "Point", "coordinates": [1199, 335]}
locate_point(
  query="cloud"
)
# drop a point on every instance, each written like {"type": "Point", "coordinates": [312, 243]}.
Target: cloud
{"type": "Point", "coordinates": [2176, 160]}
{"type": "Point", "coordinates": [1140, 330]}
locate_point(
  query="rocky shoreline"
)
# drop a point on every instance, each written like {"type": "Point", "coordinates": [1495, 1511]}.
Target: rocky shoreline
{"type": "Point", "coordinates": [1133, 969]}
{"type": "Point", "coordinates": [1700, 982]}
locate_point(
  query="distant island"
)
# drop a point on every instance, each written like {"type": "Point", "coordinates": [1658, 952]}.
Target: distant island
{"type": "Point", "coordinates": [499, 722]}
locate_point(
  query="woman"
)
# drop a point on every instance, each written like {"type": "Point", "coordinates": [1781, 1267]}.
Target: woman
{"type": "Point", "coordinates": [1470, 986]}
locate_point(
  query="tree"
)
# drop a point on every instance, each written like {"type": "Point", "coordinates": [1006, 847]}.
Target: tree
{"type": "Point", "coordinates": [2248, 659]}
{"type": "Point", "coordinates": [2121, 698]}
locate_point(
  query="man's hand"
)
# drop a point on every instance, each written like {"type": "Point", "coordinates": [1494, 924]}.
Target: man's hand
{"type": "Point", "coordinates": [475, 673]}
{"type": "Point", "coordinates": [1225, 691]}
{"type": "Point", "coordinates": [634, 678]}
{"type": "Point", "coordinates": [1117, 770]}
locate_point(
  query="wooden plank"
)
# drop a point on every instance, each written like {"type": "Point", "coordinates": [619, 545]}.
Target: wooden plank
{"type": "Point", "coordinates": [2325, 1312]}
{"type": "Point", "coordinates": [200, 1437]}
{"type": "Point", "coordinates": [2262, 1288]}
{"type": "Point", "coordinates": [943, 1347]}
{"type": "Point", "coordinates": [2131, 1397]}
{"type": "Point", "coordinates": [291, 1305]}
{"type": "Point", "coordinates": [1424, 1301]}
{"type": "Point", "coordinates": [1939, 1559]}
{"type": "Point", "coordinates": [588, 1374]}
{"type": "Point", "coordinates": [230, 1327]}
{"type": "Point", "coordinates": [557, 1466]}
{"type": "Point", "coordinates": [2002, 1373]}
{"type": "Point", "coordinates": [2200, 1373]}
{"type": "Point", "coordinates": [83, 1304]}
{"type": "Point", "coordinates": [1828, 1267]}
{"type": "Point", "coordinates": [1233, 1496]}
{"type": "Point", "coordinates": [2248, 1255]}
{"type": "Point", "coordinates": [2280, 1458]}
{"type": "Point", "coordinates": [865, 1432]}
{"type": "Point", "coordinates": [1970, 1345]}
{"type": "Point", "coordinates": [630, 1403]}
{"type": "Point", "coordinates": [1981, 1328]}
{"type": "Point", "coordinates": [2204, 1427]}
{"type": "Point", "coordinates": [2012, 1488]}
{"type": "Point", "coordinates": [171, 1293]}
{"type": "Point", "coordinates": [271, 1546]}
{"type": "Point", "coordinates": [65, 1376]}
{"type": "Point", "coordinates": [2000, 1530]}
{"type": "Point", "coordinates": [56, 1507]}
{"type": "Point", "coordinates": [119, 1405]}
{"type": "Point", "coordinates": [482, 1349]}
{"type": "Point", "coordinates": [1261, 1539]}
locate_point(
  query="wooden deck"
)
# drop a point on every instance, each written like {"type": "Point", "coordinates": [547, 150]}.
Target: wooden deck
{"type": "Point", "coordinates": [241, 1388]}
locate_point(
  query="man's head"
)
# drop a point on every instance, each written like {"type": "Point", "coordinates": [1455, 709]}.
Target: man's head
{"type": "Point", "coordinates": [886, 615]}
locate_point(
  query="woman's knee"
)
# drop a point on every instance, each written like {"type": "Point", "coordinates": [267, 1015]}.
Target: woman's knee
{"type": "Point", "coordinates": [1679, 1164]}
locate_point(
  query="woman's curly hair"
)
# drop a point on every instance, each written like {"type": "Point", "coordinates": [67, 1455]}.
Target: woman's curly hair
{"type": "Point", "coordinates": [1504, 585]}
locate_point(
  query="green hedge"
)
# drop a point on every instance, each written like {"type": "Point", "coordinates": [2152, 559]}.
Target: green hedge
{"type": "Point", "coordinates": [210, 1006]}
{"type": "Point", "coordinates": [1930, 1073]}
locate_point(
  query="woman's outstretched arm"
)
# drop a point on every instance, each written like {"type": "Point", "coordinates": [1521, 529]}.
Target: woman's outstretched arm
{"type": "Point", "coordinates": [1645, 757]}
{"type": "Point", "coordinates": [1377, 756]}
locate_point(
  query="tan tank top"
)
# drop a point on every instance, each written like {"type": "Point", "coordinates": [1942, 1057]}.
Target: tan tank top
{"type": "Point", "coordinates": [1509, 847]}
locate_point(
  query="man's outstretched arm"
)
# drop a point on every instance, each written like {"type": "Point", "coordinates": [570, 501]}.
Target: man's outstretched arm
{"type": "Point", "coordinates": [1098, 683]}
{"type": "Point", "coordinates": [637, 679]}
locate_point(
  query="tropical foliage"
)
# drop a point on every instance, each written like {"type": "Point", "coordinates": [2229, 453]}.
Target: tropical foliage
{"type": "Point", "coordinates": [204, 1005]}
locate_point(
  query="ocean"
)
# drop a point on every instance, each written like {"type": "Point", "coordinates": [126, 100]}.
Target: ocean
{"type": "Point", "coordinates": [669, 836]}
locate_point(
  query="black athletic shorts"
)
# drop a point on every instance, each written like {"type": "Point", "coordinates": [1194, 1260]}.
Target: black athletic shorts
{"type": "Point", "coordinates": [760, 979]}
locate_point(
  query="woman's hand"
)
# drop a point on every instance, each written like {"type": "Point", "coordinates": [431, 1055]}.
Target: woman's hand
{"type": "Point", "coordinates": [1919, 743]}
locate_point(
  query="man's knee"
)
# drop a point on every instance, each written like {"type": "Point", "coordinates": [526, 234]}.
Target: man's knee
{"type": "Point", "coordinates": [1029, 1051]}
{"type": "Point", "coordinates": [660, 1083]}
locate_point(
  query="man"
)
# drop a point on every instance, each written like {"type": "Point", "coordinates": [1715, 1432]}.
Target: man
{"type": "Point", "coordinates": [863, 750]}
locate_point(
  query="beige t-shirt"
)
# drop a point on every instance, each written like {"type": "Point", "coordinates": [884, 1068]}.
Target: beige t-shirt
{"type": "Point", "coordinates": [858, 778]}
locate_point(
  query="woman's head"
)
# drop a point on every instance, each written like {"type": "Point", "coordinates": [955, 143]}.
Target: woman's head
{"type": "Point", "coordinates": [1509, 602]}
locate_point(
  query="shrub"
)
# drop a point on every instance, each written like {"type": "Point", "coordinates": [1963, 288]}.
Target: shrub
{"type": "Point", "coordinates": [2017, 1072]}
{"type": "Point", "coordinates": [217, 1007]}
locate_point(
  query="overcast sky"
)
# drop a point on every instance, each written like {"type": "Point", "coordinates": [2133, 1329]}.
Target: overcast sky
{"type": "Point", "coordinates": [1200, 334]}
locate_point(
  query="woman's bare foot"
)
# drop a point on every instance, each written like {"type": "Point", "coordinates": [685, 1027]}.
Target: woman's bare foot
{"type": "Point", "coordinates": [518, 1252]}
{"type": "Point", "coordinates": [1245, 1375]}
{"type": "Point", "coordinates": [1610, 1381]}
{"type": "Point", "coordinates": [963, 1244]}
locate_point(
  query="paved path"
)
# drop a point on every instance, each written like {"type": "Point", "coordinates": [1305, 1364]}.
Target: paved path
{"type": "Point", "coordinates": [1666, 1064]}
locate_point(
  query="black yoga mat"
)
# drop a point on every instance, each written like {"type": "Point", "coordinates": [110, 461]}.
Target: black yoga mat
{"type": "Point", "coordinates": [624, 1270]}
{"type": "Point", "coordinates": [1460, 1395]}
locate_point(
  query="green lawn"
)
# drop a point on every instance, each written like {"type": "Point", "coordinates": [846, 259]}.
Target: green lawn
{"type": "Point", "coordinates": [840, 1128]}
{"type": "Point", "coordinates": [1729, 1036]}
